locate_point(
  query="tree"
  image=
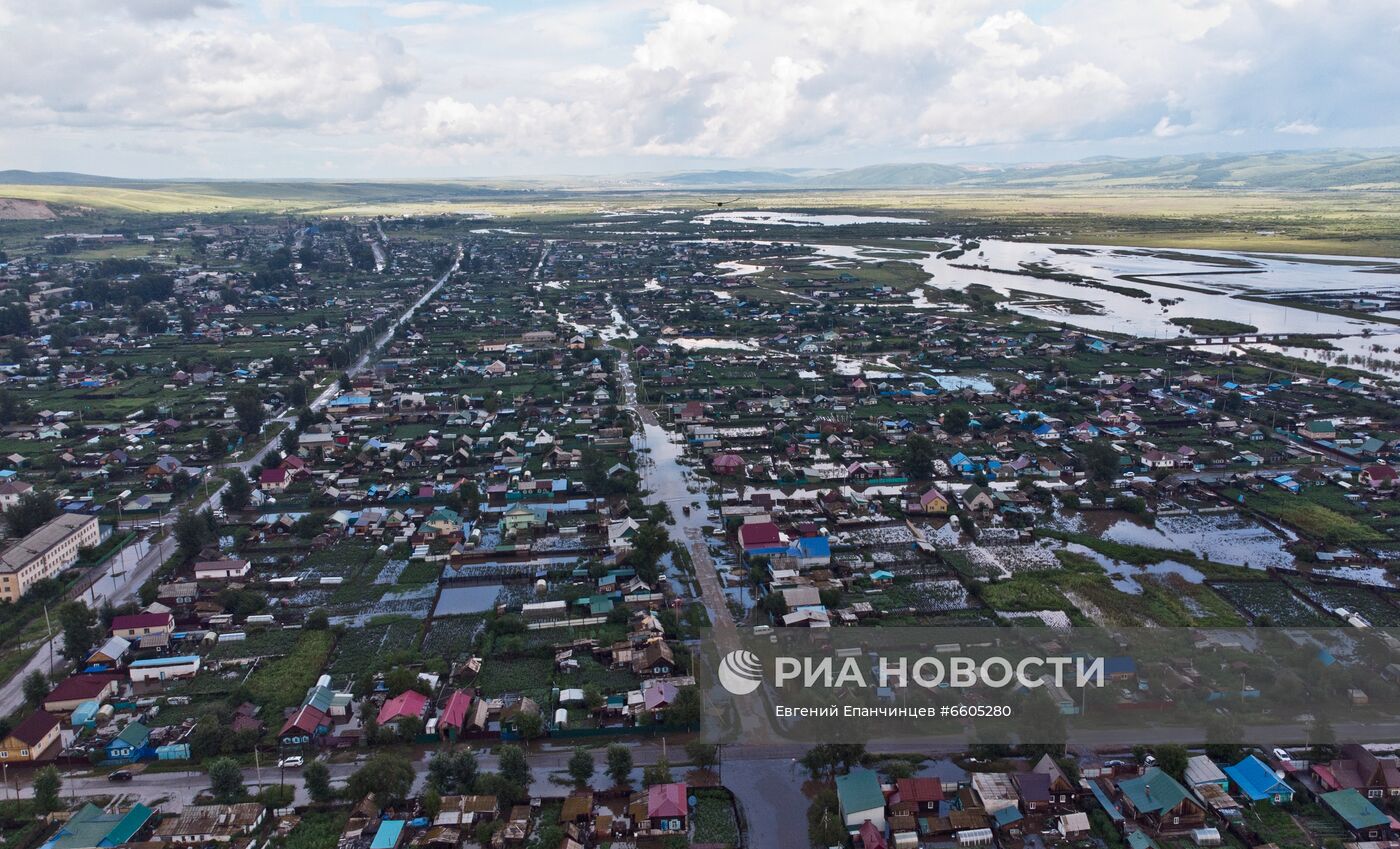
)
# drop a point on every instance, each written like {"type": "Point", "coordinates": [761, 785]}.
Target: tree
{"type": "Point", "coordinates": [47, 786]}
{"type": "Point", "coordinates": [1100, 460]}
{"type": "Point", "coordinates": [248, 407]}
{"type": "Point", "coordinates": [1322, 738]}
{"type": "Point", "coordinates": [152, 319]}
{"type": "Point", "coordinates": [918, 457]}
{"type": "Point", "coordinates": [685, 710]}
{"type": "Point", "coordinates": [648, 545]}
{"type": "Point", "coordinates": [657, 773]}
{"type": "Point", "coordinates": [401, 679]}
{"type": "Point", "coordinates": [1172, 759]}
{"type": "Point", "coordinates": [277, 796]}
{"type": "Point", "coordinates": [824, 824]}
{"type": "Point", "coordinates": [388, 776]}
{"type": "Point", "coordinates": [529, 725]}
{"type": "Point", "coordinates": [619, 767]}
{"type": "Point", "coordinates": [317, 620]}
{"type": "Point", "coordinates": [1224, 738]}
{"type": "Point", "coordinates": [581, 766]}
{"type": "Point", "coordinates": [238, 492]}
{"type": "Point", "coordinates": [79, 624]}
{"type": "Point", "coordinates": [453, 772]}
{"type": "Point", "coordinates": [193, 531]}
{"type": "Point", "coordinates": [36, 686]}
{"type": "Point", "coordinates": [226, 780]}
{"type": "Point", "coordinates": [514, 768]}
{"type": "Point", "coordinates": [317, 777]}
{"type": "Point", "coordinates": [956, 420]}
{"type": "Point", "coordinates": [32, 510]}
{"type": "Point", "coordinates": [703, 755]}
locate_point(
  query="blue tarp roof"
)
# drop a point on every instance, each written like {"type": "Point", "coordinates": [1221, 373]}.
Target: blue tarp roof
{"type": "Point", "coordinates": [387, 837]}
{"type": "Point", "coordinates": [1256, 780]}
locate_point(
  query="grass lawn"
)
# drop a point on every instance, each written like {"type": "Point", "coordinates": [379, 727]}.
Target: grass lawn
{"type": "Point", "coordinates": [283, 683]}
{"type": "Point", "coordinates": [714, 819]}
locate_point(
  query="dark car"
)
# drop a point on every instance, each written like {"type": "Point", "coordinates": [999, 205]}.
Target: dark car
{"type": "Point", "coordinates": [120, 775]}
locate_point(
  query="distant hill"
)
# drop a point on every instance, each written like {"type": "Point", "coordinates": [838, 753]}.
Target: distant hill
{"type": "Point", "coordinates": [14, 177]}
{"type": "Point", "coordinates": [730, 178]}
{"type": "Point", "coordinates": [1323, 169]}
{"type": "Point", "coordinates": [914, 176]}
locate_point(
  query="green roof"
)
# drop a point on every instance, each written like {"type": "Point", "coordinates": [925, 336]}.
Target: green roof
{"type": "Point", "coordinates": [859, 790]}
{"type": "Point", "coordinates": [1351, 806]}
{"type": "Point", "coordinates": [1140, 840]}
{"type": "Point", "coordinates": [1153, 792]}
{"type": "Point", "coordinates": [134, 734]}
{"type": "Point", "coordinates": [92, 827]}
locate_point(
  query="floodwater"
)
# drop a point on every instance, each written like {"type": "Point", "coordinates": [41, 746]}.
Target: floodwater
{"type": "Point", "coordinates": [800, 219]}
{"type": "Point", "coordinates": [456, 601]}
{"type": "Point", "coordinates": [1123, 575]}
{"type": "Point", "coordinates": [1226, 537]}
{"type": "Point", "coordinates": [1219, 537]}
{"type": "Point", "coordinates": [686, 343]}
{"type": "Point", "coordinates": [1179, 284]}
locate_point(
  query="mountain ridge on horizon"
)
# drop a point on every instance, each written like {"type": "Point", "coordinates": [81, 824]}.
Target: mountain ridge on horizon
{"type": "Point", "coordinates": [1323, 169]}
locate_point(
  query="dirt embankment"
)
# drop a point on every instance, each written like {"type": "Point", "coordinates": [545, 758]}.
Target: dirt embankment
{"type": "Point", "coordinates": [15, 209]}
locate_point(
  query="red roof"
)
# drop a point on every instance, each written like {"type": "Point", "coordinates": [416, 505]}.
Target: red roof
{"type": "Point", "coordinates": [871, 837]}
{"type": "Point", "coordinates": [142, 620]}
{"type": "Point", "coordinates": [34, 728]}
{"type": "Point", "coordinates": [920, 789]}
{"type": "Point", "coordinates": [307, 720]}
{"type": "Point", "coordinates": [272, 476]}
{"type": "Point", "coordinates": [1377, 472]}
{"type": "Point", "coordinates": [759, 535]}
{"type": "Point", "coordinates": [454, 715]}
{"type": "Point", "coordinates": [407, 703]}
{"type": "Point", "coordinates": [727, 461]}
{"type": "Point", "coordinates": [666, 800]}
{"type": "Point", "coordinates": [79, 688]}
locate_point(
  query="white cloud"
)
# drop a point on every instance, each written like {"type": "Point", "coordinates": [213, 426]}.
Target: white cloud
{"type": "Point", "coordinates": [640, 82]}
{"type": "Point", "coordinates": [1298, 128]}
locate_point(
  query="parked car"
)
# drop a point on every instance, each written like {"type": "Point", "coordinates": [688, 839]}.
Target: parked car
{"type": "Point", "coordinates": [292, 762]}
{"type": "Point", "coordinates": [1282, 754]}
{"type": "Point", "coordinates": [120, 775]}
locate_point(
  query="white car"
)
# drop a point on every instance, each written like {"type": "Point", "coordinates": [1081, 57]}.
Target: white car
{"type": "Point", "coordinates": [292, 762]}
{"type": "Point", "coordinates": [1282, 754]}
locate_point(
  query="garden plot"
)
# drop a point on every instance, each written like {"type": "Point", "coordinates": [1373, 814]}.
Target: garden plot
{"type": "Point", "coordinates": [1057, 619]}
{"type": "Point", "coordinates": [391, 572]}
{"type": "Point", "coordinates": [363, 649]}
{"type": "Point", "coordinates": [1002, 561]}
{"type": "Point", "coordinates": [1270, 603]}
{"type": "Point", "coordinates": [453, 638]}
{"type": "Point", "coordinates": [411, 601]}
{"type": "Point", "coordinates": [897, 534]}
{"type": "Point", "coordinates": [266, 644]}
{"type": "Point", "coordinates": [940, 596]}
{"type": "Point", "coordinates": [1369, 605]}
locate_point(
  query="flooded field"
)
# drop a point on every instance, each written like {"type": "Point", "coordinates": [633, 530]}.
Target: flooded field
{"type": "Point", "coordinates": [456, 601]}
{"type": "Point", "coordinates": [1220, 537]}
{"type": "Point", "coordinates": [1139, 291]}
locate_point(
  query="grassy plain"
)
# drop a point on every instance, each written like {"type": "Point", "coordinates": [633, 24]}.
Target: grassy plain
{"type": "Point", "coordinates": [1363, 223]}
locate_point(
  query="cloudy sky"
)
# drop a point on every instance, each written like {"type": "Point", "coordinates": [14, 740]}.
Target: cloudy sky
{"type": "Point", "coordinates": [439, 88]}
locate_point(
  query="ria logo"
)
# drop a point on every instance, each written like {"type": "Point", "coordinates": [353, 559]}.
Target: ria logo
{"type": "Point", "coordinates": [740, 672]}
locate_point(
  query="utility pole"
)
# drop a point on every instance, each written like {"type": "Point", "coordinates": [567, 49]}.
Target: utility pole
{"type": "Point", "coordinates": [48, 630]}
